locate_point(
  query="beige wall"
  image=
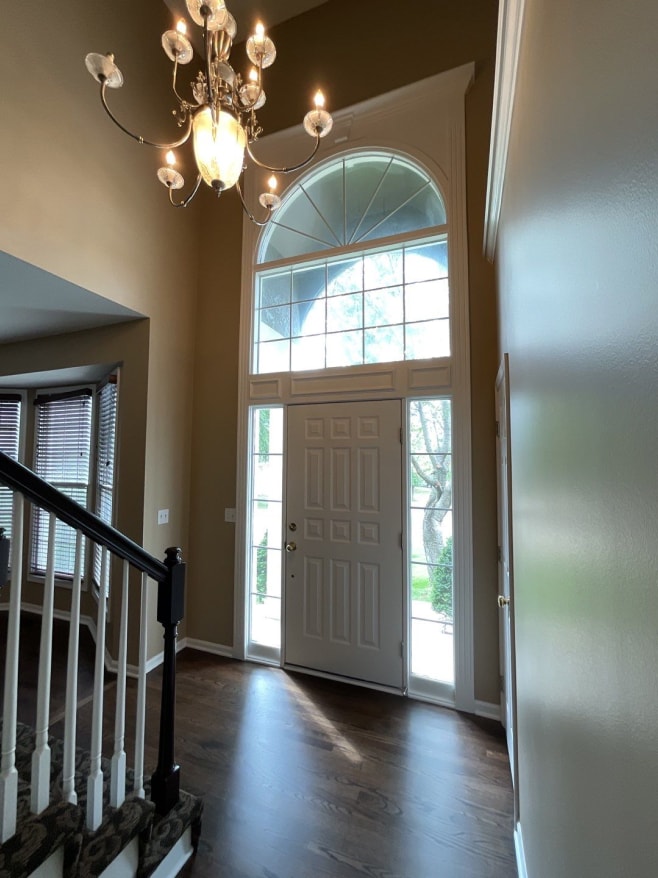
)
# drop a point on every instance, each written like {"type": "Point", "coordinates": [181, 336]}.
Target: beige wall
{"type": "Point", "coordinates": [332, 46]}
{"type": "Point", "coordinates": [577, 266]}
{"type": "Point", "coordinates": [81, 201]}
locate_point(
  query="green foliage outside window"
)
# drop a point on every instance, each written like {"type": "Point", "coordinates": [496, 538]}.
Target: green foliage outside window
{"type": "Point", "coordinates": [261, 569]}
{"type": "Point", "coordinates": [441, 581]}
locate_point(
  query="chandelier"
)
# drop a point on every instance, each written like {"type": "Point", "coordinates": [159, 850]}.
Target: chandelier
{"type": "Point", "coordinates": [221, 115]}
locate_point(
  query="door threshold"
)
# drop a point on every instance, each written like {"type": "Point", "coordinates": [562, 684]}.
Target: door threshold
{"type": "Point", "coordinates": [339, 678]}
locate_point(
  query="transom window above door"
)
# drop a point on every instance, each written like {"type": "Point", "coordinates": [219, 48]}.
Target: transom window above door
{"type": "Point", "coordinates": [380, 295]}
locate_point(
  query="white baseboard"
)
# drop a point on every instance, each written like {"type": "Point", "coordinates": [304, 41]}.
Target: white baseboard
{"type": "Point", "coordinates": [62, 615]}
{"type": "Point", "coordinates": [125, 863]}
{"type": "Point", "coordinates": [176, 858]}
{"type": "Point", "coordinates": [488, 710]}
{"type": "Point", "coordinates": [53, 867]}
{"type": "Point", "coordinates": [520, 853]}
{"type": "Point", "coordinates": [208, 646]}
{"type": "Point", "coordinates": [111, 664]}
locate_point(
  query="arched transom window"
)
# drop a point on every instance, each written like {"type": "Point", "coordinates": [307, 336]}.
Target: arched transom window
{"type": "Point", "coordinates": [353, 269]}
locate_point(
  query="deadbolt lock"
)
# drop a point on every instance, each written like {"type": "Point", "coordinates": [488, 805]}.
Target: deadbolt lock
{"type": "Point", "coordinates": [292, 526]}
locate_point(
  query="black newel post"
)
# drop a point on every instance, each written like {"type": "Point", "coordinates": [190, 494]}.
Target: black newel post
{"type": "Point", "coordinates": [4, 557]}
{"type": "Point", "coordinates": [165, 782]}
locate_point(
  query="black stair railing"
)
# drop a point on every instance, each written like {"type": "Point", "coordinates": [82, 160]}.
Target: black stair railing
{"type": "Point", "coordinates": [170, 576]}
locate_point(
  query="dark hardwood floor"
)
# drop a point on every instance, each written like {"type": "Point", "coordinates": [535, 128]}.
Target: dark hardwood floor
{"type": "Point", "coordinates": [307, 778]}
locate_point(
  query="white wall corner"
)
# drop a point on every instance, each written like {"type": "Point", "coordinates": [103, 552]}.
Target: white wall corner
{"type": "Point", "coordinates": [510, 26]}
{"type": "Point", "coordinates": [488, 710]}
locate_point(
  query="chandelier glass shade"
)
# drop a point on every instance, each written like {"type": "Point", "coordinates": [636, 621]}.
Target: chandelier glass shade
{"type": "Point", "coordinates": [218, 147]}
{"type": "Point", "coordinates": [220, 115]}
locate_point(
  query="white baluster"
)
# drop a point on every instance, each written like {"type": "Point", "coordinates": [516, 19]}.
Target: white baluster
{"type": "Point", "coordinates": [41, 756]}
{"type": "Point", "coordinates": [8, 772]}
{"type": "Point", "coordinates": [95, 779]}
{"type": "Point", "coordinates": [68, 775]}
{"type": "Point", "coordinates": [118, 777]}
{"type": "Point", "coordinates": [140, 718]}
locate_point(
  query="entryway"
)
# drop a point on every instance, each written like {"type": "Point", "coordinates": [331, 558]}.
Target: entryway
{"type": "Point", "coordinates": [344, 578]}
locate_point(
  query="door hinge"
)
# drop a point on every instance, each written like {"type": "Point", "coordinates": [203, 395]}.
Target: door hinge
{"type": "Point", "coordinates": [401, 540]}
{"type": "Point", "coordinates": [402, 649]}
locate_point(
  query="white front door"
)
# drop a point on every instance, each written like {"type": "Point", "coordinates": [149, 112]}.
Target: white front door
{"type": "Point", "coordinates": [505, 568]}
{"type": "Point", "coordinates": [344, 596]}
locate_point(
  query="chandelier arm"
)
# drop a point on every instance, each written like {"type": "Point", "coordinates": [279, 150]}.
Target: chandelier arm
{"type": "Point", "coordinates": [185, 201]}
{"type": "Point", "coordinates": [256, 222]}
{"type": "Point", "coordinates": [292, 167]}
{"type": "Point", "coordinates": [173, 84]}
{"type": "Point", "coordinates": [138, 137]}
{"type": "Point", "coordinates": [206, 47]}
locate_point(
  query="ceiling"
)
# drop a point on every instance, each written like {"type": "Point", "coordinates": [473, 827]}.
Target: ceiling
{"type": "Point", "coordinates": [34, 303]}
{"type": "Point", "coordinates": [248, 12]}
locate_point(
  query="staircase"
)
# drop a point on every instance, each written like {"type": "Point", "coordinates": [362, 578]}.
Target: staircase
{"type": "Point", "coordinates": [68, 811]}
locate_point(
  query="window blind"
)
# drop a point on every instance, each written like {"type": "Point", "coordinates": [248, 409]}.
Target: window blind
{"type": "Point", "coordinates": [62, 456]}
{"type": "Point", "coordinates": [10, 423]}
{"type": "Point", "coordinates": [105, 461]}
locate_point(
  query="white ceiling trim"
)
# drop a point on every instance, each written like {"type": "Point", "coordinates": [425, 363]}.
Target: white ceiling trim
{"type": "Point", "coordinates": [510, 27]}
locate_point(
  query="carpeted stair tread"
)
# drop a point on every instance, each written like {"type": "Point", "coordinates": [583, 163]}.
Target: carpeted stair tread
{"type": "Point", "coordinates": [88, 853]}
{"type": "Point", "coordinates": [120, 825]}
{"type": "Point", "coordinates": [40, 835]}
{"type": "Point", "coordinates": [166, 831]}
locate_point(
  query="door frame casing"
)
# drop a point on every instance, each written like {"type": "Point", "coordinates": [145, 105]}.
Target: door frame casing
{"type": "Point", "coordinates": [507, 638]}
{"type": "Point", "coordinates": [435, 137]}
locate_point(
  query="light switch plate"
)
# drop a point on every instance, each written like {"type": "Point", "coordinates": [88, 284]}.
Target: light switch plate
{"type": "Point", "coordinates": [229, 515]}
{"type": "Point", "coordinates": [163, 516]}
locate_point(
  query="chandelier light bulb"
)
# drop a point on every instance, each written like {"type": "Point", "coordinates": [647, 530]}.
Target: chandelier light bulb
{"type": "Point", "coordinates": [176, 45]}
{"type": "Point", "coordinates": [317, 122]}
{"type": "Point", "coordinates": [260, 48]}
{"type": "Point", "coordinates": [270, 200]}
{"type": "Point", "coordinates": [168, 175]}
{"type": "Point", "coordinates": [253, 74]}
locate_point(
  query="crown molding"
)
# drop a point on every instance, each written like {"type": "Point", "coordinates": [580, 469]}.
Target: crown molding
{"type": "Point", "coordinates": [510, 27]}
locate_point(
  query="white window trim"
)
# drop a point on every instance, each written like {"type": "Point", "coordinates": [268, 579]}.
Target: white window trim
{"type": "Point", "coordinates": [94, 481]}
{"type": "Point", "coordinates": [21, 423]}
{"type": "Point", "coordinates": [437, 106]}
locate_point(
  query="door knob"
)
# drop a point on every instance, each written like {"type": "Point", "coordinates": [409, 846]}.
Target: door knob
{"type": "Point", "coordinates": [503, 601]}
{"type": "Point", "coordinates": [291, 547]}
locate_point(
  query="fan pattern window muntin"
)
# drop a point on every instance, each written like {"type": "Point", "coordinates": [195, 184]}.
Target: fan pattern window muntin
{"type": "Point", "coordinates": [357, 305]}
{"type": "Point", "coordinates": [351, 200]}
